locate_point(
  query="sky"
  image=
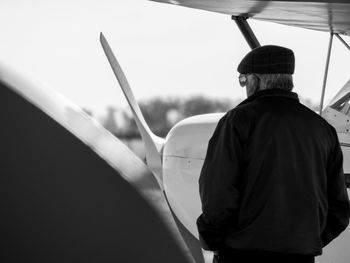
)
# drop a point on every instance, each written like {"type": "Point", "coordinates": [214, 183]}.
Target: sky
{"type": "Point", "coordinates": [164, 50]}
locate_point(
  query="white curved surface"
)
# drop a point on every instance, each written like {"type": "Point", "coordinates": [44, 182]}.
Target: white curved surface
{"type": "Point", "coordinates": [189, 137]}
{"type": "Point", "coordinates": [183, 157]}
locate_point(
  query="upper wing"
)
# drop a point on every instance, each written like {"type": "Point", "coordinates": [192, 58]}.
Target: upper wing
{"type": "Point", "coordinates": [330, 16]}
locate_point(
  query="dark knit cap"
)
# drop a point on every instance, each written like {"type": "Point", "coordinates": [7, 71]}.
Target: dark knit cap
{"type": "Point", "coordinates": [268, 60]}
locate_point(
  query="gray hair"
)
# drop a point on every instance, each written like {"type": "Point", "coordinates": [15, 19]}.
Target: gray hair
{"type": "Point", "coordinates": [275, 81]}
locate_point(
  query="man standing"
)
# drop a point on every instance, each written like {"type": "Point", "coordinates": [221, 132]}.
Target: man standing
{"type": "Point", "coordinates": [272, 185]}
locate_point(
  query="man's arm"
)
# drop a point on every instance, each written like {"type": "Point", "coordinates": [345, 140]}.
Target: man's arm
{"type": "Point", "coordinates": [217, 183]}
{"type": "Point", "coordinates": [338, 200]}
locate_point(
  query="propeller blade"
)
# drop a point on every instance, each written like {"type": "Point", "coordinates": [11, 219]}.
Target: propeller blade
{"type": "Point", "coordinates": [153, 143]}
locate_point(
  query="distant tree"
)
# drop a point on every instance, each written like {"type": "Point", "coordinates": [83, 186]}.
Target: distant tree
{"type": "Point", "coordinates": [155, 112]}
{"type": "Point", "coordinates": [109, 122]}
{"type": "Point", "coordinates": [130, 130]}
{"type": "Point", "coordinates": [201, 105]}
{"type": "Point", "coordinates": [308, 103]}
{"type": "Point", "coordinates": [87, 111]}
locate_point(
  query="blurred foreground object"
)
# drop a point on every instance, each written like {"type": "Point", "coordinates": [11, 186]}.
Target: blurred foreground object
{"type": "Point", "coordinates": [65, 199]}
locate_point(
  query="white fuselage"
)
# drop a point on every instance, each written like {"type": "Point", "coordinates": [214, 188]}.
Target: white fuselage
{"type": "Point", "coordinates": [183, 157]}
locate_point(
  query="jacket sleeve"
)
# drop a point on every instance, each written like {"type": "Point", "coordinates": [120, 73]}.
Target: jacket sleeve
{"type": "Point", "coordinates": [217, 183]}
{"type": "Point", "coordinates": [338, 200]}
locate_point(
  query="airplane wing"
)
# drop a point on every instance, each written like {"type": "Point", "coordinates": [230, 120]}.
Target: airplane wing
{"type": "Point", "coordinates": [329, 16]}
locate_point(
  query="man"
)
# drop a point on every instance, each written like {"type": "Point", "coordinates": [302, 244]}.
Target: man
{"type": "Point", "coordinates": [272, 185]}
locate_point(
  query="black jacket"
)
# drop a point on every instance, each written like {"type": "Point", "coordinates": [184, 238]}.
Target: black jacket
{"type": "Point", "coordinates": [272, 179]}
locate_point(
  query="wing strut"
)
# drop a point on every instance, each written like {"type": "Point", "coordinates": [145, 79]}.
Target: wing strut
{"type": "Point", "coordinates": [342, 40]}
{"type": "Point", "coordinates": [246, 31]}
{"type": "Point", "coordinates": [326, 71]}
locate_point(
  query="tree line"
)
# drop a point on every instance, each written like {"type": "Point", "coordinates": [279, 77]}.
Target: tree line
{"type": "Point", "coordinates": [161, 114]}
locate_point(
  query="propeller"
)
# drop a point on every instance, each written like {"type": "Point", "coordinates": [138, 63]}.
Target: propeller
{"type": "Point", "coordinates": [153, 143]}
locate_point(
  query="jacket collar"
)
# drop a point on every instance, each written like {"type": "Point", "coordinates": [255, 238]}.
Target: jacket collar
{"type": "Point", "coordinates": [278, 93]}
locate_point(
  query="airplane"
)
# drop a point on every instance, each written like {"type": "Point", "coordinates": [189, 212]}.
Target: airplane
{"type": "Point", "coordinates": [79, 170]}
{"type": "Point", "coordinates": [176, 161]}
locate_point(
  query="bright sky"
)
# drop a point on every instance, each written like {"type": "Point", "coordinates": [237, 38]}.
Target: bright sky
{"type": "Point", "coordinates": [164, 50]}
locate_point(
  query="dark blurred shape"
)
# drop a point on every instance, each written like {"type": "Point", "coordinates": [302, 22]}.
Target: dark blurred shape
{"type": "Point", "coordinates": [308, 103]}
{"type": "Point", "coordinates": [88, 112]}
{"type": "Point", "coordinates": [110, 122]}
{"type": "Point", "coordinates": [155, 113]}
{"type": "Point", "coordinates": [201, 105]}
{"type": "Point", "coordinates": [120, 124]}
{"type": "Point", "coordinates": [61, 202]}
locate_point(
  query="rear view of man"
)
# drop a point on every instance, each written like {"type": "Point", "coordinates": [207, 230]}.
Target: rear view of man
{"type": "Point", "coordinates": [272, 185]}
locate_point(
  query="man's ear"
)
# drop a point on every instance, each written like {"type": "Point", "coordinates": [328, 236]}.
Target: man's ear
{"type": "Point", "coordinates": [256, 83]}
